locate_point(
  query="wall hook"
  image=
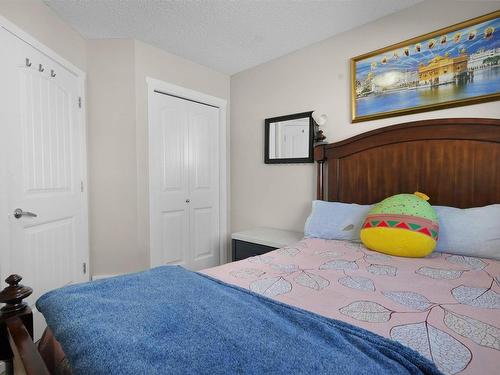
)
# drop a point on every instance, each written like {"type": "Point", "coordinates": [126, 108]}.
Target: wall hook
{"type": "Point", "coordinates": [40, 68]}
{"type": "Point", "coordinates": [28, 62]}
{"type": "Point", "coordinates": [52, 73]}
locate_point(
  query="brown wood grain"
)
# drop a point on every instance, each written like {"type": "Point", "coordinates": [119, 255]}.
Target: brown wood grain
{"type": "Point", "coordinates": [17, 348]}
{"type": "Point", "coordinates": [25, 349]}
{"type": "Point", "coordinates": [455, 161]}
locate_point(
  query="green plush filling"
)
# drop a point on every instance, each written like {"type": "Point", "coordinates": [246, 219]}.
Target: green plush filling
{"type": "Point", "coordinates": [405, 204]}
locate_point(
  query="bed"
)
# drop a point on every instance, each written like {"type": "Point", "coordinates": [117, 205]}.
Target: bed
{"type": "Point", "coordinates": [444, 306]}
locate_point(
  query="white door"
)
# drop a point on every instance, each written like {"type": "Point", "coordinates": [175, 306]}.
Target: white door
{"type": "Point", "coordinates": [184, 183]}
{"type": "Point", "coordinates": [295, 141]}
{"type": "Point", "coordinates": [41, 138]}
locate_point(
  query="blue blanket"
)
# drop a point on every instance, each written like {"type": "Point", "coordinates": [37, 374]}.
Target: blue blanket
{"type": "Point", "coordinates": [172, 321]}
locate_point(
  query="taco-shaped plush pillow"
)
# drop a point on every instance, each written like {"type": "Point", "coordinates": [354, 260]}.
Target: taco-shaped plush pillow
{"type": "Point", "coordinates": [403, 225]}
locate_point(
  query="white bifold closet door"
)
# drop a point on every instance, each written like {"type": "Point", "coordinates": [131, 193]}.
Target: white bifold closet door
{"type": "Point", "coordinates": [184, 183]}
{"type": "Point", "coordinates": [41, 169]}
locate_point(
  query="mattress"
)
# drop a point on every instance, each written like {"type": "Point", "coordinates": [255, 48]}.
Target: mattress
{"type": "Point", "coordinates": [446, 307]}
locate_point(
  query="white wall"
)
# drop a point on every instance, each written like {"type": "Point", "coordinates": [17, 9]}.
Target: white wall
{"type": "Point", "coordinates": [317, 78]}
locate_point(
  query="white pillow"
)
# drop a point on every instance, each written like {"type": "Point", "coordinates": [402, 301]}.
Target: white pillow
{"type": "Point", "coordinates": [471, 231]}
{"type": "Point", "coordinates": [335, 220]}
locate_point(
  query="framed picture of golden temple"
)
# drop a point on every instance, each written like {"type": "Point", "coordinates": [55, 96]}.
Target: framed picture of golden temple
{"type": "Point", "coordinates": [454, 66]}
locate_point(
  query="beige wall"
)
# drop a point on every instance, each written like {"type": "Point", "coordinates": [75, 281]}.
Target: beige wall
{"type": "Point", "coordinates": [112, 157]}
{"type": "Point", "coordinates": [118, 144]}
{"type": "Point", "coordinates": [38, 20]}
{"type": "Point", "coordinates": [317, 78]}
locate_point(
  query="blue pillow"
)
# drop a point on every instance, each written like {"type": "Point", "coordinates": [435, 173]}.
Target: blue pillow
{"type": "Point", "coordinates": [335, 220]}
{"type": "Point", "coordinates": [470, 231]}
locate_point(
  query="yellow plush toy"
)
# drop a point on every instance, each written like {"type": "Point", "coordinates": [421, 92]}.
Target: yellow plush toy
{"type": "Point", "coordinates": [402, 225]}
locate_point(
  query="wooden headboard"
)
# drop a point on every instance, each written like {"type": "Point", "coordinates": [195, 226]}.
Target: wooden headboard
{"type": "Point", "coordinates": [456, 161]}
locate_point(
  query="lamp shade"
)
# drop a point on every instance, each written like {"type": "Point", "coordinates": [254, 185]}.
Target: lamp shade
{"type": "Point", "coordinates": [320, 119]}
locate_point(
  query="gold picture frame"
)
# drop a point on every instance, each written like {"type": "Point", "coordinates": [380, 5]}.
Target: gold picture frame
{"type": "Point", "coordinates": [454, 66]}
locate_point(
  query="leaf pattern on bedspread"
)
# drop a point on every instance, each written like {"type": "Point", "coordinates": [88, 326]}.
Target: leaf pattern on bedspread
{"type": "Point", "coordinates": [477, 297]}
{"type": "Point", "coordinates": [377, 258]}
{"type": "Point", "coordinates": [287, 268]}
{"type": "Point", "coordinates": [470, 263]}
{"type": "Point", "coordinates": [327, 253]}
{"type": "Point", "coordinates": [367, 311]}
{"type": "Point", "coordinates": [247, 273]}
{"type": "Point", "coordinates": [310, 280]}
{"type": "Point", "coordinates": [271, 287]}
{"type": "Point", "coordinates": [449, 354]}
{"type": "Point", "coordinates": [265, 259]}
{"type": "Point", "coordinates": [382, 270]}
{"type": "Point", "coordinates": [411, 300]}
{"type": "Point", "coordinates": [481, 333]}
{"type": "Point", "coordinates": [340, 264]}
{"type": "Point", "coordinates": [445, 306]}
{"type": "Point", "coordinates": [288, 251]}
{"type": "Point", "coordinates": [302, 243]}
{"type": "Point", "coordinates": [439, 273]}
{"type": "Point", "coordinates": [358, 282]}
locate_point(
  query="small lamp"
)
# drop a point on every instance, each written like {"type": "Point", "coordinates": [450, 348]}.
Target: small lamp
{"type": "Point", "coordinates": [319, 120]}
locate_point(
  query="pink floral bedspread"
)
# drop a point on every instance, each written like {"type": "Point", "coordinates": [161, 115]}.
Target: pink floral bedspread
{"type": "Point", "coordinates": [447, 307]}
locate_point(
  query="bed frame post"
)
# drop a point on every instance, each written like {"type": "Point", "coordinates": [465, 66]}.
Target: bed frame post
{"type": "Point", "coordinates": [14, 312]}
{"type": "Point", "coordinates": [319, 156]}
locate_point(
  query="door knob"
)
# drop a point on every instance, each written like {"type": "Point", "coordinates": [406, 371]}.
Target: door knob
{"type": "Point", "coordinates": [188, 200]}
{"type": "Point", "coordinates": [18, 213]}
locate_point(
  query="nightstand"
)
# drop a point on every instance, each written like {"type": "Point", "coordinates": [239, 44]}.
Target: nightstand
{"type": "Point", "coordinates": [258, 241]}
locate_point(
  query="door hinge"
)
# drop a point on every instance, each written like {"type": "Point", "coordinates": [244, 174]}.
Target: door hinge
{"type": "Point", "coordinates": [84, 268]}
{"type": "Point", "coordinates": [79, 102]}
{"type": "Point", "coordinates": [81, 186]}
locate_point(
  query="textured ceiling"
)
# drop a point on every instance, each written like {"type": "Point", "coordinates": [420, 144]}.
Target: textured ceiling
{"type": "Point", "coordinates": [228, 36]}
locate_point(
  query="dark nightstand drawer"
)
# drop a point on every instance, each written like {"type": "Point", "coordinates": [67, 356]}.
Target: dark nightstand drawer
{"type": "Point", "coordinates": [243, 250]}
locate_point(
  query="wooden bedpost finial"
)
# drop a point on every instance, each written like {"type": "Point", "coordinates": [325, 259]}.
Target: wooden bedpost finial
{"type": "Point", "coordinates": [13, 296]}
